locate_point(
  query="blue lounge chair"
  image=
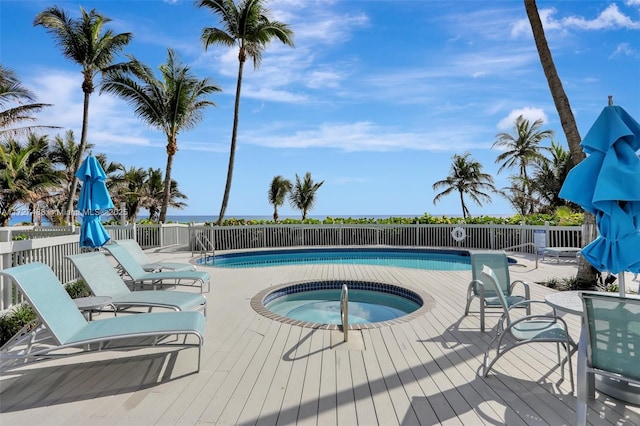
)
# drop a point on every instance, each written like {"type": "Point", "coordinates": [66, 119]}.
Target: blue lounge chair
{"type": "Point", "coordinates": [62, 326]}
{"type": "Point", "coordinates": [609, 346]}
{"type": "Point", "coordinates": [140, 277]}
{"type": "Point", "coordinates": [482, 289]}
{"type": "Point", "coordinates": [103, 280]}
{"type": "Point", "coordinates": [138, 254]}
{"type": "Point", "coordinates": [537, 328]}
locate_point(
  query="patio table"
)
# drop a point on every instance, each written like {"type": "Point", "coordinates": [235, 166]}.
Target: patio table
{"type": "Point", "coordinates": [88, 305]}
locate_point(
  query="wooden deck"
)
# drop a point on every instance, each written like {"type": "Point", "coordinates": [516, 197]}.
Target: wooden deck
{"type": "Point", "coordinates": [259, 371]}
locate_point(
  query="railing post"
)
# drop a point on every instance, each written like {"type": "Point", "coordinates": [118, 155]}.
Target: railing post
{"type": "Point", "coordinates": [344, 311]}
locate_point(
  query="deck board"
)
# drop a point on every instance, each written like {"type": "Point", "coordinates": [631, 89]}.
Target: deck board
{"type": "Point", "coordinates": [257, 371]}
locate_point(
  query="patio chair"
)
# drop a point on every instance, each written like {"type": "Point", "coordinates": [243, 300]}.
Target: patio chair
{"type": "Point", "coordinates": [61, 327]}
{"type": "Point", "coordinates": [103, 280]}
{"type": "Point", "coordinates": [609, 346]}
{"type": "Point", "coordinates": [479, 286]}
{"type": "Point", "coordinates": [138, 254]}
{"type": "Point", "coordinates": [140, 277]}
{"type": "Point", "coordinates": [535, 328]}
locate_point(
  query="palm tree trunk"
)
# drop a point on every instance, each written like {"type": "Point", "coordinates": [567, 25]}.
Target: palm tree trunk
{"type": "Point", "coordinates": [167, 184]}
{"type": "Point", "coordinates": [68, 214]}
{"type": "Point", "coordinates": [567, 119]}
{"type": "Point", "coordinates": [232, 152]}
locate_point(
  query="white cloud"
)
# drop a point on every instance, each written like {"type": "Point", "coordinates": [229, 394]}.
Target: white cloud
{"type": "Point", "coordinates": [529, 113]}
{"type": "Point", "coordinates": [609, 18]}
{"type": "Point", "coordinates": [624, 49]}
{"type": "Point", "coordinates": [357, 136]}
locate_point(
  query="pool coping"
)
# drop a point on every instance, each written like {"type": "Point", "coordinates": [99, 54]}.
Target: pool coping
{"type": "Point", "coordinates": [257, 303]}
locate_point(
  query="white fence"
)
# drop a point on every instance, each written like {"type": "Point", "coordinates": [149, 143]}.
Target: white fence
{"type": "Point", "coordinates": [50, 245]}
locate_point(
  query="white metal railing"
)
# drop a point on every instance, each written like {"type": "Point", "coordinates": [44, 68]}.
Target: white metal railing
{"type": "Point", "coordinates": [43, 246]}
{"type": "Point", "coordinates": [344, 311]}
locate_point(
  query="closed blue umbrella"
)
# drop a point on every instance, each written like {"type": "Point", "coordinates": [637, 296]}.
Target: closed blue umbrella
{"type": "Point", "coordinates": [93, 201]}
{"type": "Point", "coordinates": [607, 184]}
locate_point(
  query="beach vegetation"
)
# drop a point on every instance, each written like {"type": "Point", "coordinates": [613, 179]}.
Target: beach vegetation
{"type": "Point", "coordinates": [90, 44]}
{"type": "Point", "coordinates": [303, 194]}
{"type": "Point", "coordinates": [466, 178]}
{"type": "Point", "coordinates": [26, 176]}
{"type": "Point", "coordinates": [172, 104]}
{"type": "Point", "coordinates": [247, 26]}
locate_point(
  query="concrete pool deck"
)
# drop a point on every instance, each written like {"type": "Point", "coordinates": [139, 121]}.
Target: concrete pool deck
{"type": "Point", "coordinates": [259, 371]}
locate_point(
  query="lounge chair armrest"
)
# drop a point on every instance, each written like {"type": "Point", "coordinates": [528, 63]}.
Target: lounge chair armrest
{"type": "Point", "coordinates": [525, 285]}
{"type": "Point", "coordinates": [479, 287]}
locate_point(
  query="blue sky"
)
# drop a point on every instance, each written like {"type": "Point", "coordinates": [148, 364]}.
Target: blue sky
{"type": "Point", "coordinates": [374, 100]}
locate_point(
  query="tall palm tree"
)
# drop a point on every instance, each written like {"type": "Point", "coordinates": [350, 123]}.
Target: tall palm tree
{"type": "Point", "coordinates": [278, 191]}
{"type": "Point", "coordinates": [86, 42]}
{"type": "Point", "coordinates": [465, 178]}
{"type": "Point", "coordinates": [303, 194]}
{"type": "Point", "coordinates": [26, 175]}
{"type": "Point", "coordinates": [172, 104]}
{"type": "Point", "coordinates": [246, 25]}
{"type": "Point", "coordinates": [522, 148]}
{"type": "Point", "coordinates": [21, 105]}
{"type": "Point", "coordinates": [567, 119]}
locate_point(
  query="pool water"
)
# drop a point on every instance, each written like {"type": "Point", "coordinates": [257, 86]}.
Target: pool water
{"type": "Point", "coordinates": [323, 306]}
{"type": "Point", "coordinates": [440, 260]}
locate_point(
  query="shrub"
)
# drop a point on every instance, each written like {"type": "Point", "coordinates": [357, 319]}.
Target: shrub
{"type": "Point", "coordinates": [12, 322]}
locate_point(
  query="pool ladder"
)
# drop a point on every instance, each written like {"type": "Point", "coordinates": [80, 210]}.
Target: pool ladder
{"type": "Point", "coordinates": [344, 311]}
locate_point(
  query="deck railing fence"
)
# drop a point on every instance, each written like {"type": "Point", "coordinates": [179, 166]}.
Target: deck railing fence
{"type": "Point", "coordinates": [50, 245]}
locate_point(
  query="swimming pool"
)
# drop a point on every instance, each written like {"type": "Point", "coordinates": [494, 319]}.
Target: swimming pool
{"type": "Point", "coordinates": [430, 259]}
{"type": "Point", "coordinates": [316, 304]}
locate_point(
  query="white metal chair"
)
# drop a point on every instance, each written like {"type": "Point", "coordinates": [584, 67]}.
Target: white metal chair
{"type": "Point", "coordinates": [536, 328]}
{"type": "Point", "coordinates": [610, 347]}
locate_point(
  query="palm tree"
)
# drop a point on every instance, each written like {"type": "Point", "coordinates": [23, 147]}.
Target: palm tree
{"type": "Point", "coordinates": [172, 104]}
{"type": "Point", "coordinates": [567, 119]}
{"type": "Point", "coordinates": [86, 42]}
{"type": "Point", "coordinates": [26, 175]}
{"type": "Point", "coordinates": [303, 194]}
{"type": "Point", "coordinates": [132, 191]}
{"type": "Point", "coordinates": [522, 148]}
{"type": "Point", "coordinates": [153, 194]}
{"type": "Point", "coordinates": [549, 176]}
{"type": "Point", "coordinates": [465, 178]}
{"type": "Point", "coordinates": [278, 191]}
{"type": "Point", "coordinates": [247, 26]}
{"type": "Point", "coordinates": [12, 92]}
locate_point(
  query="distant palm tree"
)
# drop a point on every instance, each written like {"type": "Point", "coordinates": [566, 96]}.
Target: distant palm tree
{"type": "Point", "coordinates": [12, 92]}
{"type": "Point", "coordinates": [278, 191]}
{"type": "Point", "coordinates": [172, 104]}
{"type": "Point", "coordinates": [522, 148]}
{"type": "Point", "coordinates": [549, 176]}
{"type": "Point", "coordinates": [132, 191]}
{"type": "Point", "coordinates": [465, 178]}
{"type": "Point", "coordinates": [26, 175]}
{"type": "Point", "coordinates": [154, 194]}
{"type": "Point", "coordinates": [247, 26]}
{"type": "Point", "coordinates": [303, 194]}
{"type": "Point", "coordinates": [86, 42]}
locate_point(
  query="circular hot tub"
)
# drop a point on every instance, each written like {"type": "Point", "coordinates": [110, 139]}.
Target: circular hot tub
{"type": "Point", "coordinates": [316, 304]}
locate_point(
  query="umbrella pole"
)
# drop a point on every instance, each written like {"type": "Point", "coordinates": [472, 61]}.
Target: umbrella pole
{"type": "Point", "coordinates": [621, 284]}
